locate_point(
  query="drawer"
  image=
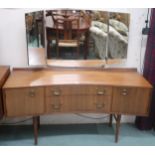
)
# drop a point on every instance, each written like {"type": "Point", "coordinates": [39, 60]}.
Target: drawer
{"type": "Point", "coordinates": [24, 101]}
{"type": "Point", "coordinates": [78, 90]}
{"type": "Point", "coordinates": [78, 104]}
{"type": "Point", "coordinates": [131, 100]}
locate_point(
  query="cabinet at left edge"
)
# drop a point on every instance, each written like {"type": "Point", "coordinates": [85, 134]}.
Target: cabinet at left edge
{"type": "Point", "coordinates": [4, 73]}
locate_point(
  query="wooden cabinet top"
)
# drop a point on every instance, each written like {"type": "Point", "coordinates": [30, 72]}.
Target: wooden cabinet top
{"type": "Point", "coordinates": [4, 71]}
{"type": "Point", "coordinates": [45, 77]}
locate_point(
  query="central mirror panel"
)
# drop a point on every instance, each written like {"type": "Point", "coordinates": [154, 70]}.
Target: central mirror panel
{"type": "Point", "coordinates": [86, 28]}
{"type": "Point", "coordinates": [76, 35]}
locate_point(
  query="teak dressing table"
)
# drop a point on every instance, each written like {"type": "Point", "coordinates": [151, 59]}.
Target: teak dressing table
{"type": "Point", "coordinates": [36, 92]}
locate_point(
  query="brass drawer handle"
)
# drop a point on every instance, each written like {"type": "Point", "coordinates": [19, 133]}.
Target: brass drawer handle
{"type": "Point", "coordinates": [101, 92]}
{"type": "Point", "coordinates": [56, 93]}
{"type": "Point", "coordinates": [32, 93]}
{"type": "Point", "coordinates": [100, 105]}
{"type": "Point", "coordinates": [124, 93]}
{"type": "Point", "coordinates": [124, 90]}
{"type": "Point", "coordinates": [56, 106]}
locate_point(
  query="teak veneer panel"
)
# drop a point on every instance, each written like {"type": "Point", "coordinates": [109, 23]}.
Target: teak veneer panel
{"type": "Point", "coordinates": [4, 73]}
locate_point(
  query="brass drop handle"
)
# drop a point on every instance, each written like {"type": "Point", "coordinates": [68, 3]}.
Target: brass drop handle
{"type": "Point", "coordinates": [124, 92]}
{"type": "Point", "coordinates": [100, 105]}
{"type": "Point", "coordinates": [101, 92]}
{"type": "Point", "coordinates": [32, 93]}
{"type": "Point", "coordinates": [56, 106]}
{"type": "Point", "coordinates": [56, 93]}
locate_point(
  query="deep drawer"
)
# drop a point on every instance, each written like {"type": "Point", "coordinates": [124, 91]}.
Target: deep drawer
{"type": "Point", "coordinates": [128, 100]}
{"type": "Point", "coordinates": [24, 101]}
{"type": "Point", "coordinates": [78, 104]}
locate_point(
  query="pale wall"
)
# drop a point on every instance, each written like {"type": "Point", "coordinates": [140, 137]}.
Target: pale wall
{"type": "Point", "coordinates": [13, 50]}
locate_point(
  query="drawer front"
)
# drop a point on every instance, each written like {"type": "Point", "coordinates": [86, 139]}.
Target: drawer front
{"type": "Point", "coordinates": [78, 104]}
{"type": "Point", "coordinates": [25, 101]}
{"type": "Point", "coordinates": [131, 100]}
{"type": "Point", "coordinates": [78, 90]}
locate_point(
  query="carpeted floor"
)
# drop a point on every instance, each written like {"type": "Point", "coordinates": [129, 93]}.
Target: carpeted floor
{"type": "Point", "coordinates": [76, 135]}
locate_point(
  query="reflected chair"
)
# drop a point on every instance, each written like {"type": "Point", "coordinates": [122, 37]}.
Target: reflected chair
{"type": "Point", "coordinates": [67, 33]}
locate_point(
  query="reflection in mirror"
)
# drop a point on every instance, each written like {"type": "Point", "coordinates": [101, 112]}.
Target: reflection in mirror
{"type": "Point", "coordinates": [99, 34]}
{"type": "Point", "coordinates": [77, 35]}
{"type": "Point", "coordinates": [68, 34]}
{"type": "Point", "coordinates": [35, 38]}
{"type": "Point", "coordinates": [118, 35]}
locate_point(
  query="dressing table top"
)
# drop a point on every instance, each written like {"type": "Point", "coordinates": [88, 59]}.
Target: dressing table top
{"type": "Point", "coordinates": [45, 77]}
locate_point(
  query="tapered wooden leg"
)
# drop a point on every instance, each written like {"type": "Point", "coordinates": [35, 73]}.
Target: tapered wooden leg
{"type": "Point", "coordinates": [35, 127]}
{"type": "Point", "coordinates": [38, 119]}
{"type": "Point", "coordinates": [110, 120]}
{"type": "Point", "coordinates": [118, 119]}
